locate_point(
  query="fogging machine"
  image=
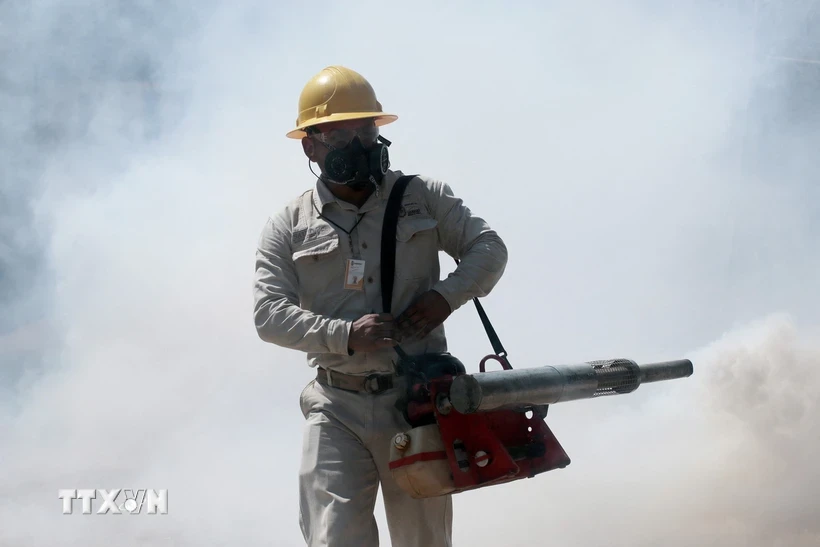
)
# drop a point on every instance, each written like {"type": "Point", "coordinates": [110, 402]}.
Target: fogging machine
{"type": "Point", "coordinates": [474, 430]}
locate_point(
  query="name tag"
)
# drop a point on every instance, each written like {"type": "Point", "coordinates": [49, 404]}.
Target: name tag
{"type": "Point", "coordinates": [354, 275]}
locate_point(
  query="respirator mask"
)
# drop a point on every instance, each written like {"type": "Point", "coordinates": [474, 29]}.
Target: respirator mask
{"type": "Point", "coordinates": [348, 162]}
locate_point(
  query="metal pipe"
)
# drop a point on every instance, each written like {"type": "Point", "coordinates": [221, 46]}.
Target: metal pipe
{"type": "Point", "coordinates": [521, 388]}
{"type": "Point", "coordinates": [668, 370]}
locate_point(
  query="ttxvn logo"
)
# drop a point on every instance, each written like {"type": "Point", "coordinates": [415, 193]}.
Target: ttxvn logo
{"type": "Point", "coordinates": [116, 501]}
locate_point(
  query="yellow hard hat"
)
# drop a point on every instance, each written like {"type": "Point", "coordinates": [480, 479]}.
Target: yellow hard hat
{"type": "Point", "coordinates": [335, 94]}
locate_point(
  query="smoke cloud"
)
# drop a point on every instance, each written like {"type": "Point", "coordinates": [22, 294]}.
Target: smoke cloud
{"type": "Point", "coordinates": [651, 167]}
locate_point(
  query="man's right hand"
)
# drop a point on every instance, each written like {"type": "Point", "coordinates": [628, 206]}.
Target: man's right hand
{"type": "Point", "coordinates": [372, 332]}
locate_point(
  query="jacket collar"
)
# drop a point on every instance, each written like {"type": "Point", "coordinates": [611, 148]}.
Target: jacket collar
{"type": "Point", "coordinates": [322, 196]}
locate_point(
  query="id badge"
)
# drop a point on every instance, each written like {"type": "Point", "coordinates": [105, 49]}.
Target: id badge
{"type": "Point", "coordinates": [354, 275]}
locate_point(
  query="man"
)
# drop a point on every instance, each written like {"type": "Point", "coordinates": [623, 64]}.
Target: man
{"type": "Point", "coordinates": [318, 290]}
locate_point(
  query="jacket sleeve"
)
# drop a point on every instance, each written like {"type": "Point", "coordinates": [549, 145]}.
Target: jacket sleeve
{"type": "Point", "coordinates": [468, 238]}
{"type": "Point", "coordinates": [279, 318]}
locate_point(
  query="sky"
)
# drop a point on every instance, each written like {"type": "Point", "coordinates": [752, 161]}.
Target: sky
{"type": "Point", "coordinates": [648, 164]}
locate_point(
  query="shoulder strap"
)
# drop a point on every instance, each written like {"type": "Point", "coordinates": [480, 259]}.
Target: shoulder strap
{"type": "Point", "coordinates": [388, 258]}
{"type": "Point", "coordinates": [495, 341]}
{"type": "Point", "coordinates": [388, 263]}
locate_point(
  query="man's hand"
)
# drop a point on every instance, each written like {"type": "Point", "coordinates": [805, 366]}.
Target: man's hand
{"type": "Point", "coordinates": [372, 332]}
{"type": "Point", "coordinates": [427, 312]}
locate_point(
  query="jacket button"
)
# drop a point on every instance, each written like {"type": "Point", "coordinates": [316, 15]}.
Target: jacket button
{"type": "Point", "coordinates": [364, 245]}
{"type": "Point", "coordinates": [370, 279]}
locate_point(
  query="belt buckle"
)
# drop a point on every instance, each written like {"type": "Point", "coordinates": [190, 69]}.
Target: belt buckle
{"type": "Point", "coordinates": [374, 376]}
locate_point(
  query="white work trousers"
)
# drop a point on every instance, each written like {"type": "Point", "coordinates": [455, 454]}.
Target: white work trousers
{"type": "Point", "coordinates": [345, 457]}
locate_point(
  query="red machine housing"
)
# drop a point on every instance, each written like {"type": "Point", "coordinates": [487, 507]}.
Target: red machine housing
{"type": "Point", "coordinates": [483, 448]}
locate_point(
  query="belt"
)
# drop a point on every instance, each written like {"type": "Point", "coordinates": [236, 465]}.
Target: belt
{"type": "Point", "coordinates": [372, 383]}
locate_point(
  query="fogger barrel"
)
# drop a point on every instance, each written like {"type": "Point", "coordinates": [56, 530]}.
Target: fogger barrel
{"type": "Point", "coordinates": [519, 388]}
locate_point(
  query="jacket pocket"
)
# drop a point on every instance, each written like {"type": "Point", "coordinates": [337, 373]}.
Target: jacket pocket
{"type": "Point", "coordinates": [410, 227]}
{"type": "Point", "coordinates": [319, 266]}
{"type": "Point", "coordinates": [416, 247]}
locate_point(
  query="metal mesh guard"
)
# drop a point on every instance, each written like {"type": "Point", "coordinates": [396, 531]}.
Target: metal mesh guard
{"type": "Point", "coordinates": [615, 376]}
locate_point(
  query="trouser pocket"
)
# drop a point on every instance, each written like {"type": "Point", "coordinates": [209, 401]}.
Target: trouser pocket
{"type": "Point", "coordinates": [304, 398]}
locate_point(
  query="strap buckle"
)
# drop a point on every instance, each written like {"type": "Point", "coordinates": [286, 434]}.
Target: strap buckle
{"type": "Point", "coordinates": [376, 383]}
{"type": "Point", "coordinates": [500, 357]}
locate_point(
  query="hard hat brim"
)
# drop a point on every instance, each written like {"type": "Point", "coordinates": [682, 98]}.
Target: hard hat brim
{"type": "Point", "coordinates": [381, 119]}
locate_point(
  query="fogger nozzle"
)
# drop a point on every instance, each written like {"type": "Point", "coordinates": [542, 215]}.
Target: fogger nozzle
{"type": "Point", "coordinates": [519, 388]}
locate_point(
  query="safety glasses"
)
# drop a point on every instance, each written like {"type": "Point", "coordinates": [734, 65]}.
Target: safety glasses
{"type": "Point", "coordinates": [341, 137]}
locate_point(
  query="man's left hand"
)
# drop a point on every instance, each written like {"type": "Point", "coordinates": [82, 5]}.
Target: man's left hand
{"type": "Point", "coordinates": [427, 312]}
